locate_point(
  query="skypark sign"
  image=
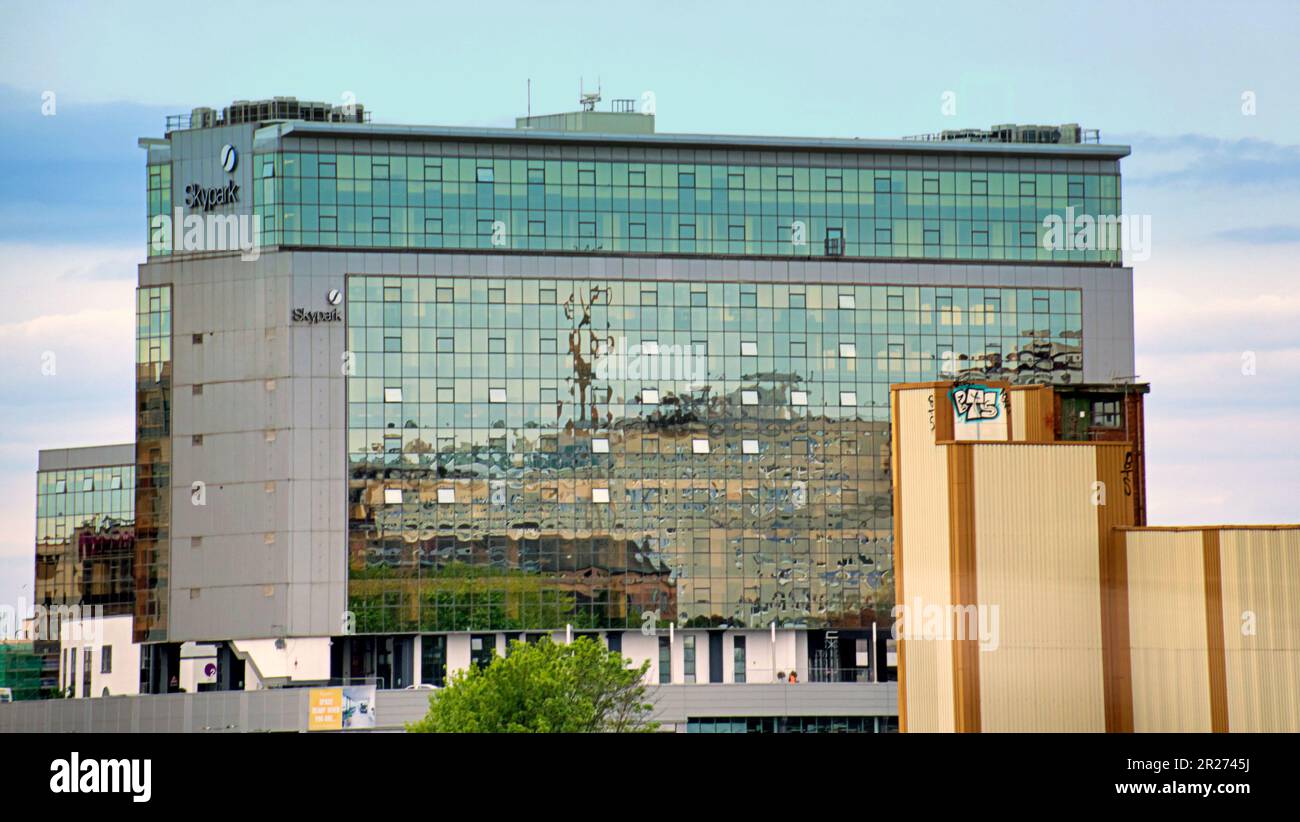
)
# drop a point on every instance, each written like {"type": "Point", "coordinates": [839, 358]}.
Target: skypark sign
{"type": "Point", "coordinates": [208, 198]}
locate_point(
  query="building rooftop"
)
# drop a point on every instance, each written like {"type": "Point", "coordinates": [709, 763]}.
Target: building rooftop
{"type": "Point", "coordinates": [623, 125]}
{"type": "Point", "coordinates": [90, 456]}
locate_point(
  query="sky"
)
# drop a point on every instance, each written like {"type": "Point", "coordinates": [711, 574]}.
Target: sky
{"type": "Point", "coordinates": [1205, 93]}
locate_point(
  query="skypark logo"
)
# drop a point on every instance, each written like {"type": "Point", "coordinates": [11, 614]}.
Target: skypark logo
{"type": "Point", "coordinates": [129, 776]}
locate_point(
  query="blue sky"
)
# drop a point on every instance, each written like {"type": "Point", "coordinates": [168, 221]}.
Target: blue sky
{"type": "Point", "coordinates": [1168, 78]}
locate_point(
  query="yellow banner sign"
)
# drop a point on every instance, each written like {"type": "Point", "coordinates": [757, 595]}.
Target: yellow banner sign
{"type": "Point", "coordinates": [325, 709]}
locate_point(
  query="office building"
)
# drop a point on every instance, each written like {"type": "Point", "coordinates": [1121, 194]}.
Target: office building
{"type": "Point", "coordinates": [405, 393]}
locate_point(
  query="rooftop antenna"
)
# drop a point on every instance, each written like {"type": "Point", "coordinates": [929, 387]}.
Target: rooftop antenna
{"type": "Point", "coordinates": [587, 99]}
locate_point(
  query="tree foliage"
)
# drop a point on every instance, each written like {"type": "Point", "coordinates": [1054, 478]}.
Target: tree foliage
{"type": "Point", "coordinates": [543, 688]}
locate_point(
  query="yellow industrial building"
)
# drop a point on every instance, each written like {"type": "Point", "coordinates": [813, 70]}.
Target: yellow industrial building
{"type": "Point", "coordinates": [1032, 596]}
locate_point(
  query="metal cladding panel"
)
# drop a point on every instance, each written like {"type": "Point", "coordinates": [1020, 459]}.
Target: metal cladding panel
{"type": "Point", "coordinates": [1167, 631]}
{"type": "Point", "coordinates": [1036, 554]}
{"type": "Point", "coordinates": [1261, 620]}
{"type": "Point", "coordinates": [922, 470]}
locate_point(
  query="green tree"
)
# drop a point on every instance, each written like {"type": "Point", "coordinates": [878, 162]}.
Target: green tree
{"type": "Point", "coordinates": [543, 688]}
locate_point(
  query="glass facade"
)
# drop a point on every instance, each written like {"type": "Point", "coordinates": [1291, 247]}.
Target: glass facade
{"type": "Point", "coordinates": [531, 453]}
{"type": "Point", "coordinates": [160, 203]}
{"type": "Point", "coordinates": [792, 724]}
{"type": "Point", "coordinates": [85, 539]}
{"type": "Point", "coordinates": [567, 199]}
{"type": "Point", "coordinates": [153, 379]}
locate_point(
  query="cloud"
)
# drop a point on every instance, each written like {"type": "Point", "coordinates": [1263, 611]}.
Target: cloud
{"type": "Point", "coordinates": [1226, 317]}
{"type": "Point", "coordinates": [1262, 235]}
{"type": "Point", "coordinates": [1190, 161]}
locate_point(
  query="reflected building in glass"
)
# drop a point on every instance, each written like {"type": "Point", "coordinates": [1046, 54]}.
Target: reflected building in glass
{"type": "Point", "coordinates": [468, 385]}
{"type": "Point", "coordinates": [85, 542]}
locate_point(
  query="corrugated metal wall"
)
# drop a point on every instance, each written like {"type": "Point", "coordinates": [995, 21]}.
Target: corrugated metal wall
{"type": "Point", "coordinates": [1037, 558]}
{"type": "Point", "coordinates": [1261, 577]}
{"type": "Point", "coordinates": [1167, 631]}
{"type": "Point", "coordinates": [924, 532]}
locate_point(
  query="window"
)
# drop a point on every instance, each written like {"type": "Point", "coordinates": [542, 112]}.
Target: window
{"type": "Point", "coordinates": [1106, 414]}
{"type": "Point", "coordinates": [636, 179]}
{"type": "Point", "coordinates": [106, 659]}
{"type": "Point", "coordinates": [749, 398]}
{"type": "Point", "coordinates": [688, 658]}
{"type": "Point", "coordinates": [650, 347]}
{"type": "Point", "coordinates": [115, 482]}
{"type": "Point", "coordinates": [649, 396]}
{"type": "Point", "coordinates": [738, 652]}
{"type": "Point", "coordinates": [847, 301]}
{"type": "Point", "coordinates": [686, 231]}
{"type": "Point", "coordinates": [392, 395]}
{"type": "Point", "coordinates": [798, 397]}
{"type": "Point", "coordinates": [736, 181]}
{"type": "Point", "coordinates": [848, 351]}
{"type": "Point", "coordinates": [446, 496]}
{"type": "Point", "coordinates": [748, 349]}
{"type": "Point", "coordinates": [484, 175]}
{"type": "Point", "coordinates": [482, 647]}
{"type": "Point", "coordinates": [849, 398]}
{"type": "Point", "coordinates": [685, 179]}
{"type": "Point", "coordinates": [433, 660]}
{"type": "Point", "coordinates": [88, 483]}
{"type": "Point", "coordinates": [600, 495]}
{"type": "Point", "coordinates": [699, 446]}
{"type": "Point", "coordinates": [392, 496]}
{"type": "Point", "coordinates": [446, 345]}
{"type": "Point", "coordinates": [749, 446]}
{"type": "Point", "coordinates": [496, 395]}
{"type": "Point", "coordinates": [665, 661]}
{"type": "Point", "coordinates": [600, 445]}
